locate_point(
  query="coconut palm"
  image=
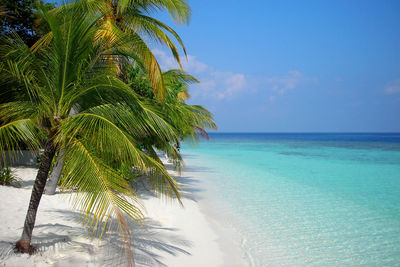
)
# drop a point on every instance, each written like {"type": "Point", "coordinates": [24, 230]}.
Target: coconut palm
{"type": "Point", "coordinates": [131, 20]}
{"type": "Point", "coordinates": [188, 121]}
{"type": "Point", "coordinates": [72, 71]}
{"type": "Point", "coordinates": [191, 120]}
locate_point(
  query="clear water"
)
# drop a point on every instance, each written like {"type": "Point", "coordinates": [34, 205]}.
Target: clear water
{"type": "Point", "coordinates": [307, 199]}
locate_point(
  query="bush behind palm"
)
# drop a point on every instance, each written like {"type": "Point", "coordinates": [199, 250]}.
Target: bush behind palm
{"type": "Point", "coordinates": [8, 177]}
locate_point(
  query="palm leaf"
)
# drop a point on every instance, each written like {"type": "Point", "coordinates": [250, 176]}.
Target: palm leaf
{"type": "Point", "coordinates": [15, 133]}
{"type": "Point", "coordinates": [109, 139]}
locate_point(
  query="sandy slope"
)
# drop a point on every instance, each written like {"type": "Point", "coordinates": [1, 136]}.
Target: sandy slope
{"type": "Point", "coordinates": [172, 235]}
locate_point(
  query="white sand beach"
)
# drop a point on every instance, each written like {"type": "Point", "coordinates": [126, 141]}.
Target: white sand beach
{"type": "Point", "coordinates": [171, 236]}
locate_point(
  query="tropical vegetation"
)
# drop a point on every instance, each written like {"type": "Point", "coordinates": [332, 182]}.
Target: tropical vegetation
{"type": "Point", "coordinates": [7, 177]}
{"type": "Point", "coordinates": [19, 16]}
{"type": "Point", "coordinates": [91, 90]}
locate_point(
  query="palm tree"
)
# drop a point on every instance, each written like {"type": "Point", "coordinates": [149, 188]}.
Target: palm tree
{"type": "Point", "coordinates": [188, 121]}
{"type": "Point", "coordinates": [72, 71]}
{"type": "Point", "coordinates": [130, 20]}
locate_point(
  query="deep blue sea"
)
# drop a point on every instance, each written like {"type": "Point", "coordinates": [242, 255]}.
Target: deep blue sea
{"type": "Point", "coordinates": [306, 199]}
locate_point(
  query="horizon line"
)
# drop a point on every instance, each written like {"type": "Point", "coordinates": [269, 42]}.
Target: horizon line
{"type": "Point", "coordinates": [316, 132]}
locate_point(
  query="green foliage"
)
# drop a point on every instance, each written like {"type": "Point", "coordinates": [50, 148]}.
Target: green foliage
{"type": "Point", "coordinates": [138, 81]}
{"type": "Point", "coordinates": [19, 16]}
{"type": "Point", "coordinates": [133, 22]}
{"type": "Point", "coordinates": [92, 85]}
{"type": "Point", "coordinates": [71, 70]}
{"type": "Point", "coordinates": [7, 177]}
{"type": "Point", "coordinates": [187, 121]}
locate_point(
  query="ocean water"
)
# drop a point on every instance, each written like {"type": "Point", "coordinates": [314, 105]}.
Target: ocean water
{"type": "Point", "coordinates": [306, 199]}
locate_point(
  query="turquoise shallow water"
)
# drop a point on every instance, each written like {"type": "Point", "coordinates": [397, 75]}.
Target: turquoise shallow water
{"type": "Point", "coordinates": [307, 199]}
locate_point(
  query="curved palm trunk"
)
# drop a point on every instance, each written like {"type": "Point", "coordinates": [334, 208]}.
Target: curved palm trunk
{"type": "Point", "coordinates": [55, 175]}
{"type": "Point", "coordinates": [52, 182]}
{"type": "Point", "coordinates": [24, 244]}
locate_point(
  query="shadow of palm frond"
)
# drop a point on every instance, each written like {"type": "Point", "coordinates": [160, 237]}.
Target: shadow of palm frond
{"type": "Point", "coordinates": [57, 241]}
{"type": "Point", "coordinates": [6, 251]}
{"type": "Point", "coordinates": [149, 242]}
{"type": "Point", "coordinates": [189, 188]}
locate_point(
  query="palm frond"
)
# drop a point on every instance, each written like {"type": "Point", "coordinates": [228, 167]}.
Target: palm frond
{"type": "Point", "coordinates": [132, 46]}
{"type": "Point", "coordinates": [15, 133]}
{"type": "Point", "coordinates": [154, 29]}
{"type": "Point", "coordinates": [111, 141]}
{"type": "Point", "coordinates": [179, 10]}
{"type": "Point", "coordinates": [175, 75]}
{"type": "Point", "coordinates": [101, 191]}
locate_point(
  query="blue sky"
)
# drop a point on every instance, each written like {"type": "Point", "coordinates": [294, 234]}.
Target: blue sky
{"type": "Point", "coordinates": [285, 66]}
{"type": "Point", "coordinates": [294, 66]}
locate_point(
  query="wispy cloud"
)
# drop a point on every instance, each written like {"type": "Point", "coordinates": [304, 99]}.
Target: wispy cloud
{"type": "Point", "coordinates": [214, 83]}
{"type": "Point", "coordinates": [285, 83]}
{"type": "Point", "coordinates": [230, 83]}
{"type": "Point", "coordinates": [392, 88]}
{"type": "Point", "coordinates": [189, 64]}
{"type": "Point", "coordinates": [224, 85]}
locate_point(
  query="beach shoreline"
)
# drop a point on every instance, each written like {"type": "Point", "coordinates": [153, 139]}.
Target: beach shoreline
{"type": "Point", "coordinates": [171, 236]}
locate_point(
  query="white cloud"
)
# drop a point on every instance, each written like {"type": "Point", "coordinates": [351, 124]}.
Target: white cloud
{"type": "Point", "coordinates": [272, 98]}
{"type": "Point", "coordinates": [192, 65]}
{"type": "Point", "coordinates": [283, 84]}
{"type": "Point", "coordinates": [393, 88]}
{"type": "Point", "coordinates": [189, 63]}
{"type": "Point", "coordinates": [207, 86]}
{"type": "Point", "coordinates": [230, 83]}
{"type": "Point", "coordinates": [214, 83]}
{"type": "Point", "coordinates": [217, 84]}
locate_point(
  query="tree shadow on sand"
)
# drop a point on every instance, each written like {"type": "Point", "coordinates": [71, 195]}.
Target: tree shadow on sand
{"type": "Point", "coordinates": [72, 244]}
{"type": "Point", "coordinates": [150, 242]}
{"type": "Point", "coordinates": [189, 186]}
